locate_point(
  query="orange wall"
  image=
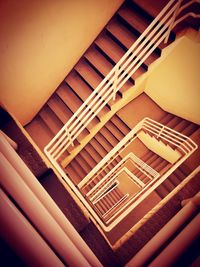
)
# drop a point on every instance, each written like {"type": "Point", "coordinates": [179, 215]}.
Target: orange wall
{"type": "Point", "coordinates": [40, 42]}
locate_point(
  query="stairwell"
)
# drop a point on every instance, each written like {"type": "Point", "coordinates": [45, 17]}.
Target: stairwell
{"type": "Point", "coordinates": [112, 43]}
{"type": "Point", "coordinates": [121, 31]}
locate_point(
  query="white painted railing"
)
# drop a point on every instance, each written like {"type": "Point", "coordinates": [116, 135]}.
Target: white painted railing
{"type": "Point", "coordinates": [171, 137]}
{"type": "Point", "coordinates": [174, 138]}
{"type": "Point", "coordinates": [155, 33]}
{"type": "Point", "coordinates": [109, 179]}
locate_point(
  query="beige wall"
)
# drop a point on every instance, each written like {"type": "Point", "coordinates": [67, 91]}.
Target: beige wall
{"type": "Point", "coordinates": [40, 41]}
{"type": "Point", "coordinates": [174, 83]}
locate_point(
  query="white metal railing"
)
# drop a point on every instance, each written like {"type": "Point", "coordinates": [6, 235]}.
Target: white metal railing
{"type": "Point", "coordinates": [155, 33]}
{"type": "Point", "coordinates": [110, 178]}
{"type": "Point", "coordinates": [173, 138]}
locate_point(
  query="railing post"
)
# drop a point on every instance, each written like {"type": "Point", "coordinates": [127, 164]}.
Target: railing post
{"type": "Point", "coordinates": [116, 75]}
{"type": "Point", "coordinates": [160, 132]}
{"type": "Point", "coordinates": [172, 21]}
{"type": "Point", "coordinates": [69, 136]}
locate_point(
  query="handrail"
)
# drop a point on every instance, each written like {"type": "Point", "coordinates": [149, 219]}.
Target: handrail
{"type": "Point", "coordinates": [175, 139]}
{"type": "Point", "coordinates": [155, 33]}
{"type": "Point", "coordinates": [190, 14]}
{"type": "Point", "coordinates": [116, 169]}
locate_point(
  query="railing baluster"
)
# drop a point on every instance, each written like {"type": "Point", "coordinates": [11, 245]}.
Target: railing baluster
{"type": "Point", "coordinates": [116, 75]}
{"type": "Point", "coordinates": [155, 33]}
{"type": "Point", "coordinates": [172, 21]}
{"type": "Point", "coordinates": [69, 136]}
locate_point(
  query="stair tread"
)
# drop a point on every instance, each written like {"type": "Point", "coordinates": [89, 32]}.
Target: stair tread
{"type": "Point", "coordinates": [77, 167]}
{"type": "Point", "coordinates": [83, 162]}
{"type": "Point", "coordinates": [58, 107]}
{"type": "Point", "coordinates": [152, 8]}
{"type": "Point", "coordinates": [74, 176]}
{"type": "Point", "coordinates": [99, 148]}
{"type": "Point", "coordinates": [95, 155]}
{"type": "Point", "coordinates": [88, 158]}
{"type": "Point", "coordinates": [69, 97]}
{"type": "Point", "coordinates": [50, 119]}
{"type": "Point", "coordinates": [109, 136]}
{"type": "Point", "coordinates": [102, 64]}
{"type": "Point", "coordinates": [120, 124]}
{"type": "Point", "coordinates": [109, 47]}
{"type": "Point", "coordinates": [127, 38]}
{"type": "Point", "coordinates": [98, 61]}
{"type": "Point", "coordinates": [102, 140]}
{"type": "Point", "coordinates": [113, 129]}
{"type": "Point", "coordinates": [134, 19]}
{"type": "Point", "coordinates": [82, 89]}
{"type": "Point", "coordinates": [88, 73]}
{"type": "Point", "coordinates": [73, 102]}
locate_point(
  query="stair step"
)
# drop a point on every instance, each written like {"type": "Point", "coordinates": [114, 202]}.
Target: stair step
{"type": "Point", "coordinates": [98, 61]}
{"type": "Point", "coordinates": [161, 191]}
{"type": "Point", "coordinates": [82, 89]}
{"type": "Point", "coordinates": [148, 156]}
{"type": "Point", "coordinates": [168, 185]}
{"type": "Point", "coordinates": [190, 129]}
{"type": "Point", "coordinates": [109, 47]}
{"type": "Point", "coordinates": [166, 118]}
{"type": "Point", "coordinates": [120, 124]}
{"type": "Point", "coordinates": [126, 39]}
{"type": "Point", "coordinates": [99, 148]}
{"type": "Point", "coordinates": [88, 73]}
{"type": "Point", "coordinates": [104, 204]}
{"type": "Point", "coordinates": [83, 162]}
{"type": "Point", "coordinates": [77, 167]}
{"type": "Point", "coordinates": [174, 179]}
{"type": "Point", "coordinates": [184, 169]}
{"type": "Point", "coordinates": [109, 200]}
{"type": "Point", "coordinates": [102, 140]}
{"type": "Point", "coordinates": [152, 8]}
{"type": "Point", "coordinates": [109, 136]}
{"type": "Point", "coordinates": [100, 208]}
{"type": "Point", "coordinates": [179, 174]}
{"type": "Point", "coordinates": [88, 158]}
{"type": "Point", "coordinates": [181, 126]}
{"type": "Point", "coordinates": [161, 165]}
{"type": "Point", "coordinates": [102, 64]}
{"type": "Point", "coordinates": [73, 102]}
{"type": "Point", "coordinates": [73, 175]}
{"type": "Point", "coordinates": [173, 122]}
{"type": "Point", "coordinates": [134, 19]}
{"type": "Point", "coordinates": [59, 108]}
{"type": "Point", "coordinates": [113, 129]}
{"type": "Point", "coordinates": [155, 164]}
{"type": "Point", "coordinates": [94, 154]}
{"type": "Point", "coordinates": [50, 119]}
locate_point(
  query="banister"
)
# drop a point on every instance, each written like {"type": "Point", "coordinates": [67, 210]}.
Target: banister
{"type": "Point", "coordinates": [141, 49]}
{"type": "Point", "coordinates": [100, 97]}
